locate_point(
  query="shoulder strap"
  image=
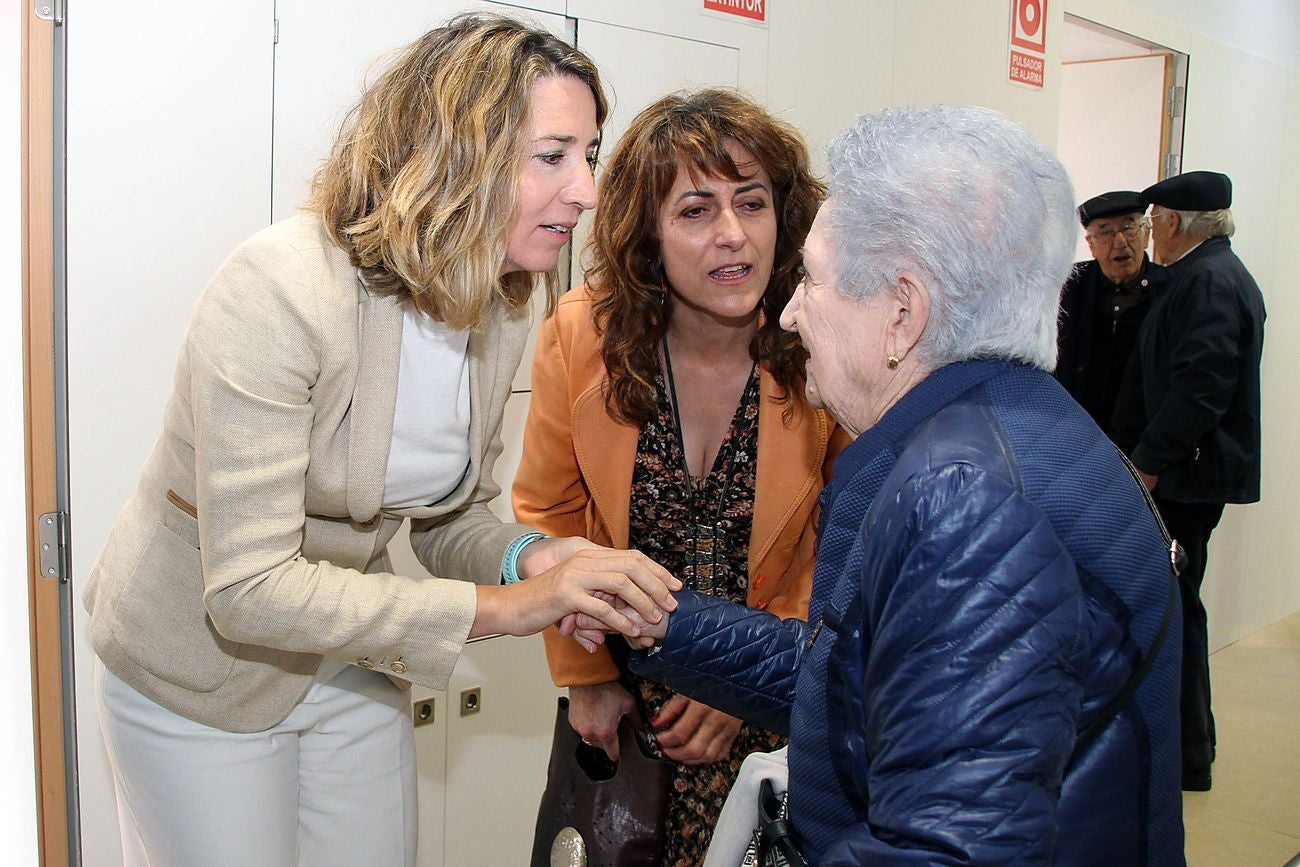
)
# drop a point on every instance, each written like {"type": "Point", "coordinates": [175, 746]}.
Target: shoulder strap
{"type": "Point", "coordinates": [1177, 559]}
{"type": "Point", "coordinates": [1177, 556]}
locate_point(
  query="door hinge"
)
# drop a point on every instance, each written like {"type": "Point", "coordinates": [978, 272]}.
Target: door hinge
{"type": "Point", "coordinates": [1177, 95]}
{"type": "Point", "coordinates": [1172, 162]}
{"type": "Point", "coordinates": [49, 10]}
{"type": "Point", "coordinates": [275, 40]}
{"type": "Point", "coordinates": [53, 538]}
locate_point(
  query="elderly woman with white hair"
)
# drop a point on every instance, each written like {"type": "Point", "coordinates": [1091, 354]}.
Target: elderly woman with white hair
{"type": "Point", "coordinates": [989, 672]}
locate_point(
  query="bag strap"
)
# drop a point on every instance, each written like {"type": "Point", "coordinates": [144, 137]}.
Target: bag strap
{"type": "Point", "coordinates": [1110, 711]}
{"type": "Point", "coordinates": [778, 844]}
{"type": "Point", "coordinates": [1177, 560]}
{"type": "Point", "coordinates": [1177, 555]}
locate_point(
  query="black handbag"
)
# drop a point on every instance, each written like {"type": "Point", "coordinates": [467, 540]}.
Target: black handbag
{"type": "Point", "coordinates": [615, 813]}
{"type": "Point", "coordinates": [774, 843]}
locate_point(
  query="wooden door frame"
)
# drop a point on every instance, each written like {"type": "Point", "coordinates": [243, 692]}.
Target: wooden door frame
{"type": "Point", "coordinates": [47, 596]}
{"type": "Point", "coordinates": [1173, 115]}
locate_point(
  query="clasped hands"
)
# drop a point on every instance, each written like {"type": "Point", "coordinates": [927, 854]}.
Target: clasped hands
{"type": "Point", "coordinates": [590, 631]}
{"type": "Point", "coordinates": [589, 590]}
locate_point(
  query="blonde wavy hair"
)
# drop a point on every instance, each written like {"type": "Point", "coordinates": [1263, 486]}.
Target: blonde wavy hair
{"type": "Point", "coordinates": [421, 185]}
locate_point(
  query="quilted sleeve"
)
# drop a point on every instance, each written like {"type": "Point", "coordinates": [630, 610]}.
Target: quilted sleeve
{"type": "Point", "coordinates": [739, 660]}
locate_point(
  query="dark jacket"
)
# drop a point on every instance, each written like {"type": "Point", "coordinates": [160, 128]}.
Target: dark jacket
{"type": "Point", "coordinates": [1199, 351]}
{"type": "Point", "coordinates": [1095, 342]}
{"type": "Point", "coordinates": [988, 576]}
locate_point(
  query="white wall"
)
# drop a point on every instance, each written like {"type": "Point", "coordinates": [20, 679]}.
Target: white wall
{"type": "Point", "coordinates": [956, 53]}
{"type": "Point", "coordinates": [833, 59]}
{"type": "Point", "coordinates": [829, 60]}
{"type": "Point", "coordinates": [18, 800]}
{"type": "Point", "coordinates": [1265, 28]}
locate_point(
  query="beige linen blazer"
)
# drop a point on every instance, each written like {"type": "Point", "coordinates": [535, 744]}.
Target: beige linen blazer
{"type": "Point", "coordinates": [254, 546]}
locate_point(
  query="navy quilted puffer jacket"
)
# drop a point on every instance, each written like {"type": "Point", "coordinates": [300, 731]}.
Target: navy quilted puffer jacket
{"type": "Point", "coordinates": [988, 577]}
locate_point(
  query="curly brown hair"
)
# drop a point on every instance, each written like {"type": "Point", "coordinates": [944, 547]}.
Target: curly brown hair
{"type": "Point", "coordinates": [423, 178]}
{"type": "Point", "coordinates": [625, 274]}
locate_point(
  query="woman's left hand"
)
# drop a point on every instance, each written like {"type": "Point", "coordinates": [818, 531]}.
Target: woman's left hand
{"type": "Point", "coordinates": [580, 584]}
{"type": "Point", "coordinates": [694, 733]}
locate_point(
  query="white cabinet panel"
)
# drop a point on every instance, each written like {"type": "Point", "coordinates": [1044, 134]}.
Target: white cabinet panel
{"type": "Point", "coordinates": [638, 67]}
{"type": "Point", "coordinates": [497, 757]}
{"type": "Point", "coordinates": [168, 158]}
{"type": "Point", "coordinates": [431, 770]}
{"type": "Point", "coordinates": [169, 155]}
{"type": "Point", "coordinates": [556, 7]}
{"type": "Point", "coordinates": [685, 19]}
{"type": "Point", "coordinates": [482, 772]}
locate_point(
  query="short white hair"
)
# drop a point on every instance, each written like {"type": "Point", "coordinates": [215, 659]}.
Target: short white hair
{"type": "Point", "coordinates": [972, 203]}
{"type": "Point", "coordinates": [1206, 224]}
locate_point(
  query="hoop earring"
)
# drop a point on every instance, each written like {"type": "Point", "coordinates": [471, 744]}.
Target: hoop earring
{"type": "Point", "coordinates": [892, 361]}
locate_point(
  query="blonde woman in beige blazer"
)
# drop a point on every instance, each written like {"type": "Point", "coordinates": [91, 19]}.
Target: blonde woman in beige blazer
{"type": "Point", "coordinates": [243, 608]}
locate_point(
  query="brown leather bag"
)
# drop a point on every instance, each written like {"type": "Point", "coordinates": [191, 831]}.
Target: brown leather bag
{"type": "Point", "coordinates": [618, 810]}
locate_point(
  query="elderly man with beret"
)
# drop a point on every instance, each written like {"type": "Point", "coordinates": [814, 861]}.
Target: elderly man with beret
{"type": "Point", "coordinates": [1103, 305]}
{"type": "Point", "coordinates": [1199, 352]}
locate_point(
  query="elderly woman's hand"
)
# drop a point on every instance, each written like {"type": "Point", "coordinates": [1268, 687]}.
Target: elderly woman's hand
{"type": "Point", "coordinates": [620, 590]}
{"type": "Point", "coordinates": [590, 632]}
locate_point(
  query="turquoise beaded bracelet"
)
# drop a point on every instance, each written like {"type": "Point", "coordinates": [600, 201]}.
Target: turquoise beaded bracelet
{"type": "Point", "coordinates": [510, 561]}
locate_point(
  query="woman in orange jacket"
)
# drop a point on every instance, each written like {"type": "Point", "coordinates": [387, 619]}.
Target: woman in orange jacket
{"type": "Point", "coordinates": [668, 413]}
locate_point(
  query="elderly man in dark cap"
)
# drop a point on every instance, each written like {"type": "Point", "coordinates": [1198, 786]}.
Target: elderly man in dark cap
{"type": "Point", "coordinates": [1199, 352]}
{"type": "Point", "coordinates": [1103, 305]}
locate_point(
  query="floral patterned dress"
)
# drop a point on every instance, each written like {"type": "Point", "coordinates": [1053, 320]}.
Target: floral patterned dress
{"type": "Point", "coordinates": [665, 508]}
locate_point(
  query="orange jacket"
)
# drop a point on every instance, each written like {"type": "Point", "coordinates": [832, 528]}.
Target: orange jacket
{"type": "Point", "coordinates": [575, 477]}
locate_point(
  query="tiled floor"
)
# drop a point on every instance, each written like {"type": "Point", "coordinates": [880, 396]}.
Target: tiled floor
{"type": "Point", "coordinates": [1252, 815]}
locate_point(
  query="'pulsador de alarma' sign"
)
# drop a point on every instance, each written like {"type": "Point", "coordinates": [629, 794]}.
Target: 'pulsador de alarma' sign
{"type": "Point", "coordinates": [1028, 48]}
{"type": "Point", "coordinates": [755, 10]}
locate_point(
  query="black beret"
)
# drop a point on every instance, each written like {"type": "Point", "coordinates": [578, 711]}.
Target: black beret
{"type": "Point", "coordinates": [1110, 204]}
{"type": "Point", "coordinates": [1191, 191]}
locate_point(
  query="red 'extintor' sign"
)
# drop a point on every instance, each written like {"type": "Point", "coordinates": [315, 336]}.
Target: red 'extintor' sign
{"type": "Point", "coordinates": [1028, 48]}
{"type": "Point", "coordinates": [753, 9]}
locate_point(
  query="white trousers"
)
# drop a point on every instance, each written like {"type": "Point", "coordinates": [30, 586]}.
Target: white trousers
{"type": "Point", "coordinates": [334, 784]}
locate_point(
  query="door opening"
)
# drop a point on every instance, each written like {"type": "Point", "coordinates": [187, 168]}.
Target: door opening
{"type": "Point", "coordinates": [1122, 98]}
